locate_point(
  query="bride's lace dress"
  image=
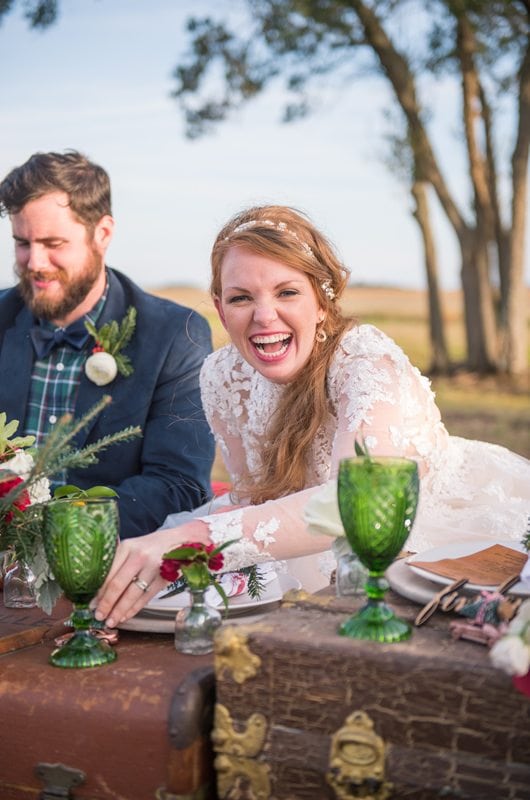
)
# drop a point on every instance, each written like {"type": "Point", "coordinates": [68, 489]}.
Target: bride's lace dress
{"type": "Point", "coordinates": [468, 488]}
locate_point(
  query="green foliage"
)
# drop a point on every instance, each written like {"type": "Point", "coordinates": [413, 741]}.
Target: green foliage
{"type": "Point", "coordinates": [74, 492]}
{"type": "Point", "coordinates": [114, 336]}
{"type": "Point", "coordinates": [255, 585]}
{"type": "Point", "coordinates": [361, 448]}
{"type": "Point", "coordinates": [58, 454]}
{"type": "Point", "coordinates": [9, 442]}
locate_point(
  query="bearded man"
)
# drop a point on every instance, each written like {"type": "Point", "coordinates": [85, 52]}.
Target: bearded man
{"type": "Point", "coordinates": [59, 205]}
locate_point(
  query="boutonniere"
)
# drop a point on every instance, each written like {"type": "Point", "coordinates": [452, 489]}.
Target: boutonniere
{"type": "Point", "coordinates": [106, 359]}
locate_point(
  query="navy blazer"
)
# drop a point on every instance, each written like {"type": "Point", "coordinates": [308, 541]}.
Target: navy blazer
{"type": "Point", "coordinates": [168, 469]}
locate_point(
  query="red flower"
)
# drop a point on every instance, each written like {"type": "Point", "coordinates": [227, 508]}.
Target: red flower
{"type": "Point", "coordinates": [22, 501]}
{"type": "Point", "coordinates": [170, 570]}
{"type": "Point", "coordinates": [522, 683]}
{"type": "Point", "coordinates": [215, 562]}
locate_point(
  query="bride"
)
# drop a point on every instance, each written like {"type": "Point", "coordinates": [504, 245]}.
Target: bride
{"type": "Point", "coordinates": [286, 401]}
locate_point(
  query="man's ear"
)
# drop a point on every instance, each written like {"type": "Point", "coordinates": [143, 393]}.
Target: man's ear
{"type": "Point", "coordinates": [219, 309]}
{"type": "Point", "coordinates": [103, 233]}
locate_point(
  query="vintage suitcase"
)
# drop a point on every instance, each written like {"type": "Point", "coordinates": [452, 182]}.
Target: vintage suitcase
{"type": "Point", "coordinates": [303, 713]}
{"type": "Point", "coordinates": [135, 729]}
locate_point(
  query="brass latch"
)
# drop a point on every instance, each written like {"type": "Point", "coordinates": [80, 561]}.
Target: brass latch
{"type": "Point", "coordinates": [357, 761]}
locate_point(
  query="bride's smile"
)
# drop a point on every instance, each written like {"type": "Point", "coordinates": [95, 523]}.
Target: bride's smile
{"type": "Point", "coordinates": [271, 312]}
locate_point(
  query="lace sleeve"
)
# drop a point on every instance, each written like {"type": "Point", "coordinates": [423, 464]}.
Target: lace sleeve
{"type": "Point", "coordinates": [221, 388]}
{"type": "Point", "coordinates": [381, 399]}
{"type": "Point", "coordinates": [274, 530]}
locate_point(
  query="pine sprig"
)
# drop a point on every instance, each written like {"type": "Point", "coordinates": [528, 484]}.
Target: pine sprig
{"type": "Point", "coordinates": [255, 584]}
{"type": "Point", "coordinates": [21, 530]}
{"type": "Point", "coordinates": [58, 454]}
{"type": "Point", "coordinates": [113, 337]}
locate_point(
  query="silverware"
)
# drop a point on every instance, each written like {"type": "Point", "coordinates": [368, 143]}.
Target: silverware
{"type": "Point", "coordinates": [175, 588]}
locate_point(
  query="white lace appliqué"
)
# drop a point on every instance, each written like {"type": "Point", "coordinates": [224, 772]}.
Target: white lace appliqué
{"type": "Point", "coordinates": [245, 551]}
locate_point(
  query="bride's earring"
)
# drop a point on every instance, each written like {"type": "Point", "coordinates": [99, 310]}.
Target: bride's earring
{"type": "Point", "coordinates": [321, 336]}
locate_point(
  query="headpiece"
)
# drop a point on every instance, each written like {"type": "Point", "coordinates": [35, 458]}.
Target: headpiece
{"type": "Point", "coordinates": [269, 223]}
{"type": "Point", "coordinates": [328, 290]}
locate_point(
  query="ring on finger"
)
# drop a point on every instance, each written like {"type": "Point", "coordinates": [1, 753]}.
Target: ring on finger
{"type": "Point", "coordinates": [140, 583]}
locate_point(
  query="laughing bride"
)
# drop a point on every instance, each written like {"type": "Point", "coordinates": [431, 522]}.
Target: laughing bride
{"type": "Point", "coordinates": [287, 399]}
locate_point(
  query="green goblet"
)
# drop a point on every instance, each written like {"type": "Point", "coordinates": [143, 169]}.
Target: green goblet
{"type": "Point", "coordinates": [80, 538]}
{"type": "Point", "coordinates": [377, 497]}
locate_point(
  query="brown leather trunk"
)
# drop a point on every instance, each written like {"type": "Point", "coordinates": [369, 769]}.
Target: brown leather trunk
{"type": "Point", "coordinates": [131, 730]}
{"type": "Point", "coordinates": [302, 712]}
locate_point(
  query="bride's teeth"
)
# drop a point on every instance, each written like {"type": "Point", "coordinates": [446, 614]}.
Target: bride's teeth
{"type": "Point", "coordinates": [277, 337]}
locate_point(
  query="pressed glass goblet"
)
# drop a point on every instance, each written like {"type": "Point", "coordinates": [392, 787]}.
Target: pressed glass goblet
{"type": "Point", "coordinates": [80, 538]}
{"type": "Point", "coordinates": [377, 498]}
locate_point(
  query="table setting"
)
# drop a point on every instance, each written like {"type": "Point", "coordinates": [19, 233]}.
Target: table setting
{"type": "Point", "coordinates": [158, 615]}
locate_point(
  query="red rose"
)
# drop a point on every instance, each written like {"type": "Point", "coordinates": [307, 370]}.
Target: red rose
{"type": "Point", "coordinates": [215, 563]}
{"type": "Point", "coordinates": [170, 569]}
{"type": "Point", "coordinates": [22, 501]}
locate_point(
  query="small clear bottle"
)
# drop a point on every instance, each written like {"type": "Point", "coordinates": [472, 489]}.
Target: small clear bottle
{"type": "Point", "coordinates": [19, 586]}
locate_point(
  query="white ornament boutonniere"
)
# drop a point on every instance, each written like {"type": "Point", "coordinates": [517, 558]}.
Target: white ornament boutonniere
{"type": "Point", "coordinates": [106, 359]}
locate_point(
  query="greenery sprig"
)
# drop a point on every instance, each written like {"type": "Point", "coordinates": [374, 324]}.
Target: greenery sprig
{"type": "Point", "coordinates": [8, 442]}
{"type": "Point", "coordinates": [255, 584]}
{"type": "Point", "coordinates": [21, 528]}
{"type": "Point", "coordinates": [361, 448]}
{"type": "Point", "coordinates": [113, 337]}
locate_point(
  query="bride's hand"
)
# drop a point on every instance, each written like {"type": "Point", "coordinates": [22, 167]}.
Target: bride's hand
{"type": "Point", "coordinates": [134, 577]}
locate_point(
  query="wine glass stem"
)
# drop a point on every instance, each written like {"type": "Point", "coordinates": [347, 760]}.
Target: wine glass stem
{"type": "Point", "coordinates": [82, 617]}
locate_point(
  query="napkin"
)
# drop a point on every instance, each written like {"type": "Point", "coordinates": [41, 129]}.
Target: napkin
{"type": "Point", "coordinates": [490, 566]}
{"type": "Point", "coordinates": [236, 583]}
{"type": "Point", "coordinates": [321, 514]}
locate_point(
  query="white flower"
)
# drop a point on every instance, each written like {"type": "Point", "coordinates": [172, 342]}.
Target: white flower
{"type": "Point", "coordinates": [511, 655]}
{"type": "Point", "coordinates": [101, 368]}
{"type": "Point", "coordinates": [21, 464]}
{"type": "Point", "coordinates": [511, 652]}
{"type": "Point", "coordinates": [321, 514]}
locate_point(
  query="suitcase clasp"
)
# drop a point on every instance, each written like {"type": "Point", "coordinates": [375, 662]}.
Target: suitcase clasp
{"type": "Point", "coordinates": [58, 781]}
{"type": "Point", "coordinates": [357, 761]}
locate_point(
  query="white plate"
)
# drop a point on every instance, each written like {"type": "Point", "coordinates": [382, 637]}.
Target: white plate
{"type": "Point", "coordinates": [457, 550]}
{"type": "Point", "coordinates": [158, 616]}
{"type": "Point", "coordinates": [407, 584]}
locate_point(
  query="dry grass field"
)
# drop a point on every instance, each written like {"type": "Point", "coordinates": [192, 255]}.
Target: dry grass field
{"type": "Point", "coordinates": [475, 408]}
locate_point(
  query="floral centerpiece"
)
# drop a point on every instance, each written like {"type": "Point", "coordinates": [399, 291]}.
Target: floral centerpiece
{"type": "Point", "coordinates": [25, 473]}
{"type": "Point", "coordinates": [196, 563]}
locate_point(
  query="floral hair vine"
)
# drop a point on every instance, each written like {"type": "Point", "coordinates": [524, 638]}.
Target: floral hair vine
{"type": "Point", "coordinates": [269, 223]}
{"type": "Point", "coordinates": [328, 289]}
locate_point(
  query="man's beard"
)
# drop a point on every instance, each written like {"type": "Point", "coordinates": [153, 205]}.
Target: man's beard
{"type": "Point", "coordinates": [74, 289]}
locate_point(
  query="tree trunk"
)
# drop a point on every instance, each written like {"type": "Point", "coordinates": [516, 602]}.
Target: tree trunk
{"type": "Point", "coordinates": [439, 356]}
{"type": "Point", "coordinates": [479, 311]}
{"type": "Point", "coordinates": [513, 302]}
{"type": "Point", "coordinates": [478, 305]}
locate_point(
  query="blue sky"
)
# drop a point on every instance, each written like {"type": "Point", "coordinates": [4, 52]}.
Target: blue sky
{"type": "Point", "coordinates": [99, 81]}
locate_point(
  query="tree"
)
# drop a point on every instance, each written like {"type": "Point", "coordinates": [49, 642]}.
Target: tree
{"type": "Point", "coordinates": [485, 42]}
{"type": "Point", "coordinates": [303, 40]}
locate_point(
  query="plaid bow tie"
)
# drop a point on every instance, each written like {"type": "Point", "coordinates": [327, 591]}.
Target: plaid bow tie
{"type": "Point", "coordinates": [44, 339]}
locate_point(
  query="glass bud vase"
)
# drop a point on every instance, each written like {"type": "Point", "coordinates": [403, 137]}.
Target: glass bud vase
{"type": "Point", "coordinates": [351, 576]}
{"type": "Point", "coordinates": [196, 624]}
{"type": "Point", "coordinates": [19, 583]}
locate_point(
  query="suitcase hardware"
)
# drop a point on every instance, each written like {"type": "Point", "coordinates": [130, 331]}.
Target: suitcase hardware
{"type": "Point", "coordinates": [58, 780]}
{"type": "Point", "coordinates": [233, 655]}
{"type": "Point", "coordinates": [357, 761]}
{"type": "Point", "coordinates": [235, 763]}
